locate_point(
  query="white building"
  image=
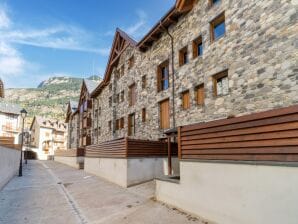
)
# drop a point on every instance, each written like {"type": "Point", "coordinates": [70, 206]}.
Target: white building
{"type": "Point", "coordinates": [47, 136]}
{"type": "Point", "coordinates": [10, 120]}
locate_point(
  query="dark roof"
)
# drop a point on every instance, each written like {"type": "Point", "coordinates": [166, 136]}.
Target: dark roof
{"type": "Point", "coordinates": [9, 108]}
{"type": "Point", "coordinates": [73, 105]}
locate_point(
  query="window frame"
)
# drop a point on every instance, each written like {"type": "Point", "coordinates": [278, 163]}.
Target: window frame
{"type": "Point", "coordinates": [132, 95]}
{"type": "Point", "coordinates": [161, 78]}
{"type": "Point", "coordinates": [131, 128]}
{"type": "Point", "coordinates": [144, 115]}
{"type": "Point", "coordinates": [197, 94]}
{"type": "Point", "coordinates": [216, 78]}
{"type": "Point", "coordinates": [195, 43]}
{"type": "Point", "coordinates": [185, 104]}
{"type": "Point", "coordinates": [215, 22]}
{"type": "Point", "coordinates": [183, 56]}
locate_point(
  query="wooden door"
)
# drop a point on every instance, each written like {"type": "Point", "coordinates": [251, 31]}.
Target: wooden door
{"type": "Point", "coordinates": [164, 114]}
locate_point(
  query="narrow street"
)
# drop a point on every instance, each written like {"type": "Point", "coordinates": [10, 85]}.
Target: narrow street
{"type": "Point", "coordinates": [50, 192]}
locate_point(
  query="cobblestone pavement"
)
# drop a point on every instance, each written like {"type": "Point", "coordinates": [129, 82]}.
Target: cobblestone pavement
{"type": "Point", "coordinates": [51, 192]}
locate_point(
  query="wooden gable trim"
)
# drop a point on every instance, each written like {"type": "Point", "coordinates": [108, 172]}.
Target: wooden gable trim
{"type": "Point", "coordinates": [184, 5]}
{"type": "Point", "coordinates": [120, 43]}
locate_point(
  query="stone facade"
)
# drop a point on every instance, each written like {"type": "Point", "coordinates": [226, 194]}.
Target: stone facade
{"type": "Point", "coordinates": [73, 130]}
{"type": "Point", "coordinates": [258, 50]}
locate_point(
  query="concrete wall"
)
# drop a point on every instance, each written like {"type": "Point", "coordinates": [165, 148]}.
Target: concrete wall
{"type": "Point", "coordinates": [9, 164]}
{"type": "Point", "coordinates": [70, 160]}
{"type": "Point", "coordinates": [235, 193]}
{"type": "Point", "coordinates": [127, 172]}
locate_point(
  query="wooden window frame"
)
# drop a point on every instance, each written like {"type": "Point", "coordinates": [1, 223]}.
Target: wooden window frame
{"type": "Point", "coordinates": [144, 81]}
{"type": "Point", "coordinates": [130, 131]}
{"type": "Point", "coordinates": [160, 78]}
{"type": "Point", "coordinates": [216, 21]}
{"type": "Point", "coordinates": [117, 124]}
{"type": "Point", "coordinates": [182, 60]}
{"type": "Point", "coordinates": [185, 104]}
{"type": "Point", "coordinates": [215, 79]}
{"type": "Point", "coordinates": [195, 43]}
{"type": "Point", "coordinates": [121, 125]}
{"type": "Point", "coordinates": [144, 115]}
{"type": "Point", "coordinates": [122, 96]}
{"type": "Point", "coordinates": [160, 114]}
{"type": "Point", "coordinates": [110, 101]}
{"type": "Point", "coordinates": [110, 125]}
{"type": "Point", "coordinates": [132, 95]}
{"type": "Point", "coordinates": [197, 95]}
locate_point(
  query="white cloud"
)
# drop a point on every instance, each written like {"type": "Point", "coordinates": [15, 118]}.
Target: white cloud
{"type": "Point", "coordinates": [4, 19]}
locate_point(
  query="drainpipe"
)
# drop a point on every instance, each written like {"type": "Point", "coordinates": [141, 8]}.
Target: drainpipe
{"type": "Point", "coordinates": [173, 73]}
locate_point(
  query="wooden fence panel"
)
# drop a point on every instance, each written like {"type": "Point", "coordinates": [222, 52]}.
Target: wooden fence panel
{"type": "Point", "coordinates": [265, 136]}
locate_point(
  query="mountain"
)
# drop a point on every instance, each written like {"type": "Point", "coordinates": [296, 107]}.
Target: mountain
{"type": "Point", "coordinates": [50, 98]}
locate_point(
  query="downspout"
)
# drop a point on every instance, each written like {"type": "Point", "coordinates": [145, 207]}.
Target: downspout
{"type": "Point", "coordinates": [173, 72]}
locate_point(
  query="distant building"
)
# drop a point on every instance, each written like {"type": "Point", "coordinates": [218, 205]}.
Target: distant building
{"type": "Point", "coordinates": [10, 124]}
{"type": "Point", "coordinates": [47, 136]}
{"type": "Point", "coordinates": [1, 89]}
{"type": "Point", "coordinates": [72, 119]}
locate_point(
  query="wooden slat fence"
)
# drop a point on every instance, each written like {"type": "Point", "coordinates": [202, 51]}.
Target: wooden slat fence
{"type": "Point", "coordinates": [70, 152]}
{"type": "Point", "coordinates": [265, 136]}
{"type": "Point", "coordinates": [128, 148]}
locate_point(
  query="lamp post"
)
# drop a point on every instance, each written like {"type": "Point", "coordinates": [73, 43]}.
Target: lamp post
{"type": "Point", "coordinates": [23, 115]}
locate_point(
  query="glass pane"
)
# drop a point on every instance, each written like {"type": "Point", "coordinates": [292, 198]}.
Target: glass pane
{"type": "Point", "coordinates": [200, 49]}
{"type": "Point", "coordinates": [219, 30]}
{"type": "Point", "coordinates": [165, 84]}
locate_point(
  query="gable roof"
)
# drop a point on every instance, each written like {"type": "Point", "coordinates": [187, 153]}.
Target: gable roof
{"type": "Point", "coordinates": [9, 108]}
{"type": "Point", "coordinates": [49, 123]}
{"type": "Point", "coordinates": [90, 85]}
{"type": "Point", "coordinates": [121, 41]}
{"type": "Point", "coordinates": [72, 108]}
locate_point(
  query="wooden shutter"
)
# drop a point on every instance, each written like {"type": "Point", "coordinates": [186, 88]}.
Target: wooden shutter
{"type": "Point", "coordinates": [159, 78]}
{"type": "Point", "coordinates": [200, 94]}
{"type": "Point", "coordinates": [164, 114]}
{"type": "Point", "coordinates": [185, 100]}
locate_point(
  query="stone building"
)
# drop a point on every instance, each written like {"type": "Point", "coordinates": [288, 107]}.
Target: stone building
{"type": "Point", "coordinates": [204, 61]}
{"type": "Point", "coordinates": [228, 59]}
{"type": "Point", "coordinates": [72, 120]}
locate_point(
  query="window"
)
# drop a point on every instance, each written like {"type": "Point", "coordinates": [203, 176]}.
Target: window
{"type": "Point", "coordinates": [183, 56]}
{"type": "Point", "coordinates": [110, 125]}
{"type": "Point", "coordinates": [122, 96]}
{"type": "Point", "coordinates": [110, 101]}
{"type": "Point", "coordinates": [197, 47]}
{"type": "Point", "coordinates": [185, 100]}
{"type": "Point", "coordinates": [117, 98]}
{"type": "Point", "coordinates": [99, 131]}
{"type": "Point", "coordinates": [110, 87]}
{"type": "Point", "coordinates": [131, 124]}
{"type": "Point", "coordinates": [99, 111]}
{"type": "Point", "coordinates": [121, 122]}
{"type": "Point", "coordinates": [163, 76]}
{"type": "Point", "coordinates": [122, 71]}
{"type": "Point", "coordinates": [200, 94]}
{"type": "Point", "coordinates": [117, 124]}
{"type": "Point", "coordinates": [131, 62]}
{"type": "Point", "coordinates": [217, 27]}
{"type": "Point", "coordinates": [164, 114]}
{"type": "Point", "coordinates": [144, 115]}
{"type": "Point", "coordinates": [144, 81]}
{"type": "Point", "coordinates": [221, 84]}
{"type": "Point", "coordinates": [132, 95]}
{"type": "Point", "coordinates": [214, 2]}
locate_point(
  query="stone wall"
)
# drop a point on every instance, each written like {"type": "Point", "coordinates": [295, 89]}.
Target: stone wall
{"type": "Point", "coordinates": [73, 129]}
{"type": "Point", "coordinates": [258, 49]}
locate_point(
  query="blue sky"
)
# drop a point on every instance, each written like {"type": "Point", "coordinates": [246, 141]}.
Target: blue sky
{"type": "Point", "coordinates": [44, 38]}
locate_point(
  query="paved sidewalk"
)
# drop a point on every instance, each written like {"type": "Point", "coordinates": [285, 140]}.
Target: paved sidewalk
{"type": "Point", "coordinates": [50, 192]}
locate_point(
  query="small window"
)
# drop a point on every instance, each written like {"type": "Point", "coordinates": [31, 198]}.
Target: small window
{"type": "Point", "coordinates": [144, 81]}
{"type": "Point", "coordinates": [221, 84]}
{"type": "Point", "coordinates": [110, 125]}
{"type": "Point", "coordinates": [185, 100]}
{"type": "Point", "coordinates": [197, 47]}
{"type": "Point", "coordinates": [214, 2]}
{"type": "Point", "coordinates": [99, 131]}
{"type": "Point", "coordinates": [110, 101]}
{"type": "Point", "coordinates": [122, 71]}
{"type": "Point", "coordinates": [131, 62]}
{"type": "Point", "coordinates": [163, 76]}
{"type": "Point", "coordinates": [117, 124]}
{"type": "Point", "coordinates": [183, 56]}
{"type": "Point", "coordinates": [200, 94]}
{"type": "Point", "coordinates": [122, 96]}
{"type": "Point", "coordinates": [131, 124]}
{"type": "Point", "coordinates": [144, 115]}
{"type": "Point", "coordinates": [110, 87]}
{"type": "Point", "coordinates": [217, 27]}
{"type": "Point", "coordinates": [132, 95]}
{"type": "Point", "coordinates": [121, 122]}
{"type": "Point", "coordinates": [99, 111]}
{"type": "Point", "coordinates": [164, 114]}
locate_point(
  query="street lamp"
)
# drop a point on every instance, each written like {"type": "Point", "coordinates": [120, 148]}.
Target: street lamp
{"type": "Point", "coordinates": [23, 115]}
